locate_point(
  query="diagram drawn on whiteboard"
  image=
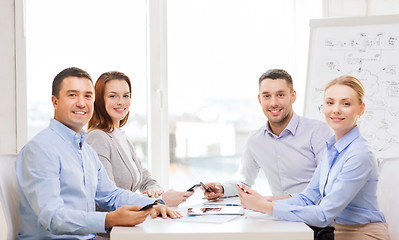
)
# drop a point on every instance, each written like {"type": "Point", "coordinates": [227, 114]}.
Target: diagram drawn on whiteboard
{"type": "Point", "coordinates": [371, 54]}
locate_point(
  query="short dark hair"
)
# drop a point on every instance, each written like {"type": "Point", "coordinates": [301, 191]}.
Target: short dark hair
{"type": "Point", "coordinates": [277, 74]}
{"type": "Point", "coordinates": [68, 72]}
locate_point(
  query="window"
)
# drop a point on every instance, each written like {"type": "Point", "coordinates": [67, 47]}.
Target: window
{"type": "Point", "coordinates": [217, 51]}
{"type": "Point", "coordinates": [96, 36]}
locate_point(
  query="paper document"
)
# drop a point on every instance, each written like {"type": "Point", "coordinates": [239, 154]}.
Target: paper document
{"type": "Point", "coordinates": [229, 201]}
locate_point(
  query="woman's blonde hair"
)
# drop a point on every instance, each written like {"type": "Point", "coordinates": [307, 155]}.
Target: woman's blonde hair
{"type": "Point", "coordinates": [351, 82]}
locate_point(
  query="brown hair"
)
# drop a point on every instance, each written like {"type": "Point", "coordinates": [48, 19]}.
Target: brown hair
{"type": "Point", "coordinates": [101, 120]}
{"type": "Point", "coordinates": [351, 82]}
{"type": "Point", "coordinates": [277, 74]}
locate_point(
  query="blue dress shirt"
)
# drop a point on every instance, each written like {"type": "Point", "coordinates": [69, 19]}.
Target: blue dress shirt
{"type": "Point", "coordinates": [288, 160]}
{"type": "Point", "coordinates": [60, 180]}
{"type": "Point", "coordinates": [342, 190]}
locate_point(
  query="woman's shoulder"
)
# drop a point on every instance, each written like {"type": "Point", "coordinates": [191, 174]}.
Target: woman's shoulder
{"type": "Point", "coordinates": [97, 134]}
{"type": "Point", "coordinates": [361, 144]}
{"type": "Point", "coordinates": [362, 149]}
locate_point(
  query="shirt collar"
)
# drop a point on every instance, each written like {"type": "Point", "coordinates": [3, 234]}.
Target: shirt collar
{"type": "Point", "coordinates": [68, 134]}
{"type": "Point", "coordinates": [344, 141]}
{"type": "Point", "coordinates": [291, 127]}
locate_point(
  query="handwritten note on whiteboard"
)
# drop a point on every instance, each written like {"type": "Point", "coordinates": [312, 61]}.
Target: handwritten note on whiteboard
{"type": "Point", "coordinates": [369, 52]}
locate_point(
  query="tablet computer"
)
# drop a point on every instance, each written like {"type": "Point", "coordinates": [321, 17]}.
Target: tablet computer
{"type": "Point", "coordinates": [198, 211]}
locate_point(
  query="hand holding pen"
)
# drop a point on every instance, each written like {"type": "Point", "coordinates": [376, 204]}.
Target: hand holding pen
{"type": "Point", "coordinates": [212, 190]}
{"type": "Point", "coordinates": [206, 188]}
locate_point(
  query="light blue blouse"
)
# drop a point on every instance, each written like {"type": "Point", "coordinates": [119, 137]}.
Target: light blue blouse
{"type": "Point", "coordinates": [342, 190]}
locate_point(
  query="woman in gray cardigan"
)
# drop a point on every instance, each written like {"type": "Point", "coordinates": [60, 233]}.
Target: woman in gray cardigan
{"type": "Point", "coordinates": [111, 112]}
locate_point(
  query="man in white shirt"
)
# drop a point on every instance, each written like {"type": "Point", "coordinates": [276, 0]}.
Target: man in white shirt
{"type": "Point", "coordinates": [287, 148]}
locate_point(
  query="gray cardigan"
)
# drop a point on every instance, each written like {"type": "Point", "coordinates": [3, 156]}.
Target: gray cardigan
{"type": "Point", "coordinates": [117, 164]}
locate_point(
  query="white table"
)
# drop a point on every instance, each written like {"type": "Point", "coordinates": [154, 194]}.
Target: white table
{"type": "Point", "coordinates": [240, 228]}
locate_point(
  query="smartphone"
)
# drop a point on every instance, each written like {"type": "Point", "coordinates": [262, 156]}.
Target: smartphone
{"type": "Point", "coordinates": [207, 189]}
{"type": "Point", "coordinates": [191, 189]}
{"type": "Point", "coordinates": [148, 206]}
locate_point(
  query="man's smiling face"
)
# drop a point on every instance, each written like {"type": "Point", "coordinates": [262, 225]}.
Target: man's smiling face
{"type": "Point", "coordinates": [276, 99]}
{"type": "Point", "coordinates": [74, 105]}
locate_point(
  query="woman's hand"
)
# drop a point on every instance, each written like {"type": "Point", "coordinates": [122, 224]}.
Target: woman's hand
{"type": "Point", "coordinates": [250, 199]}
{"type": "Point", "coordinates": [154, 193]}
{"type": "Point", "coordinates": [173, 198]}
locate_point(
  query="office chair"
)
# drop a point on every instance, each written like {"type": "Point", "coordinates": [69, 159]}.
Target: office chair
{"type": "Point", "coordinates": [9, 198]}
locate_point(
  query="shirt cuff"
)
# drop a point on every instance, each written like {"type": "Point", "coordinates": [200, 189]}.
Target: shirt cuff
{"type": "Point", "coordinates": [229, 190]}
{"type": "Point", "coordinates": [278, 210]}
{"type": "Point", "coordinates": [96, 221]}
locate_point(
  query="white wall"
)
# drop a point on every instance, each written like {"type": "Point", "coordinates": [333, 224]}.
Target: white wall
{"type": "Point", "coordinates": [349, 8]}
{"type": "Point", "coordinates": [12, 77]}
{"type": "Point", "coordinates": [8, 136]}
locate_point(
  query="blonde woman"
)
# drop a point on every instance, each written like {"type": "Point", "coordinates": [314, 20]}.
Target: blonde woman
{"type": "Point", "coordinates": [342, 192]}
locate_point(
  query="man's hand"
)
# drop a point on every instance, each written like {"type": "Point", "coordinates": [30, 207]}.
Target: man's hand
{"type": "Point", "coordinates": [126, 216]}
{"type": "Point", "coordinates": [250, 199]}
{"type": "Point", "coordinates": [164, 212]}
{"type": "Point", "coordinates": [173, 198]}
{"type": "Point", "coordinates": [217, 189]}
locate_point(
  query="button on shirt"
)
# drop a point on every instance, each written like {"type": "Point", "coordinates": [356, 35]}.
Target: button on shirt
{"type": "Point", "coordinates": [345, 182]}
{"type": "Point", "coordinates": [288, 160]}
{"type": "Point", "coordinates": [60, 180]}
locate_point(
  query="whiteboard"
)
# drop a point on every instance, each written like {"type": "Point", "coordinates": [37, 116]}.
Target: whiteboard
{"type": "Point", "coordinates": [368, 49]}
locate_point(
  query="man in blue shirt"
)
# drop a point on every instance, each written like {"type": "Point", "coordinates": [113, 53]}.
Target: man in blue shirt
{"type": "Point", "coordinates": [287, 148]}
{"type": "Point", "coordinates": [60, 178]}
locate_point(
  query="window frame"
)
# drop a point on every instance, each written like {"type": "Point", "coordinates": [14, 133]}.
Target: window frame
{"type": "Point", "coordinates": [157, 79]}
{"type": "Point", "coordinates": [21, 110]}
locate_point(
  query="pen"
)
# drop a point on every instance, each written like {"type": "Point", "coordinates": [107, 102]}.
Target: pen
{"type": "Point", "coordinates": [207, 189]}
{"type": "Point", "coordinates": [232, 204]}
